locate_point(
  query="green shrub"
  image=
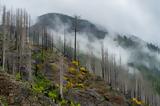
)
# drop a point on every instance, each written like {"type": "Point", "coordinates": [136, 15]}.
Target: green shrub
{"type": "Point", "coordinates": [18, 76]}
{"type": "Point", "coordinates": [63, 102]}
{"type": "Point", "coordinates": [74, 104]}
{"type": "Point", "coordinates": [53, 94]}
{"type": "Point", "coordinates": [40, 84]}
{"type": "Point", "coordinates": [38, 88]}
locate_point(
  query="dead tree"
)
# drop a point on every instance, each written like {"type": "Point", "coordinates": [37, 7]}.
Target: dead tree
{"type": "Point", "coordinates": [76, 18]}
{"type": "Point", "coordinates": [4, 38]}
{"type": "Point", "coordinates": [107, 73]}
{"type": "Point", "coordinates": [64, 43]}
{"type": "Point", "coordinates": [93, 62]}
{"type": "Point", "coordinates": [61, 77]}
{"type": "Point", "coordinates": [102, 61]}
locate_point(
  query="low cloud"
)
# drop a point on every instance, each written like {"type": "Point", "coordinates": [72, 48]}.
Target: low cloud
{"type": "Point", "coordinates": [137, 17]}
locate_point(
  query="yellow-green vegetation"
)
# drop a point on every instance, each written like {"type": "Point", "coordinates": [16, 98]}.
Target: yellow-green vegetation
{"type": "Point", "coordinates": [40, 84]}
{"type": "Point", "coordinates": [136, 102]}
{"type": "Point", "coordinates": [53, 94]}
{"type": "Point", "coordinates": [18, 76]}
{"type": "Point", "coordinates": [76, 76]}
{"type": "Point", "coordinates": [43, 86]}
{"type": "Point", "coordinates": [75, 104]}
{"type": "Point", "coordinates": [65, 102]}
{"type": "Point", "coordinates": [76, 63]}
{"type": "Point", "coordinates": [3, 100]}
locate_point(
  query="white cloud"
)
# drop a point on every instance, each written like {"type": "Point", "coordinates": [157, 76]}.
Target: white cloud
{"type": "Point", "coordinates": [138, 17]}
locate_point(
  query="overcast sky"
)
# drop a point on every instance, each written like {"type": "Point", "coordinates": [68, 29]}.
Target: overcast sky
{"type": "Point", "coordinates": [137, 17]}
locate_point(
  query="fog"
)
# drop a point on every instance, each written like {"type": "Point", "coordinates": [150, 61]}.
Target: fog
{"type": "Point", "coordinates": [137, 17]}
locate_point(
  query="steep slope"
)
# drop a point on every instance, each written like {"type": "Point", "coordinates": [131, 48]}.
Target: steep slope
{"type": "Point", "coordinates": [141, 55]}
{"type": "Point", "coordinates": [142, 52]}
{"type": "Point", "coordinates": [80, 86]}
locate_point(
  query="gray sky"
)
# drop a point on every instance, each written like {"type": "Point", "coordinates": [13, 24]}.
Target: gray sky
{"type": "Point", "coordinates": [137, 17]}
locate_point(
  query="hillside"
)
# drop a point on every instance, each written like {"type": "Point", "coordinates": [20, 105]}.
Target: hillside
{"type": "Point", "coordinates": [130, 43]}
{"type": "Point", "coordinates": [142, 55]}
{"type": "Point", "coordinates": [80, 87]}
{"type": "Point", "coordinates": [48, 64]}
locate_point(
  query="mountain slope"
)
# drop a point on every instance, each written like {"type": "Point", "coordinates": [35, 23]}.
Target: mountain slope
{"type": "Point", "coordinates": [142, 52]}
{"type": "Point", "coordinates": [141, 55]}
{"type": "Point", "coordinates": [86, 89]}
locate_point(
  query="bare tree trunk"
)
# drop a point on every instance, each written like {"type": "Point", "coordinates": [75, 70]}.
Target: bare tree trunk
{"type": "Point", "coordinates": [75, 38]}
{"type": "Point", "coordinates": [102, 62]}
{"type": "Point", "coordinates": [61, 77]}
{"type": "Point", "coordinates": [64, 44]}
{"type": "Point", "coordinates": [4, 39]}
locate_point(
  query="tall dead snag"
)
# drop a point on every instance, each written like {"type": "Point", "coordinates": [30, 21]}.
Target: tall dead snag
{"type": "Point", "coordinates": [106, 66]}
{"type": "Point", "coordinates": [8, 41]}
{"type": "Point", "coordinates": [75, 40]}
{"type": "Point", "coordinates": [69, 50]}
{"type": "Point", "coordinates": [64, 43]}
{"type": "Point", "coordinates": [22, 53]}
{"type": "Point", "coordinates": [15, 50]}
{"type": "Point", "coordinates": [51, 41]}
{"type": "Point", "coordinates": [102, 62]}
{"type": "Point", "coordinates": [115, 72]}
{"type": "Point", "coordinates": [43, 40]}
{"type": "Point", "coordinates": [61, 76]}
{"type": "Point", "coordinates": [76, 18]}
{"type": "Point", "coordinates": [78, 50]}
{"type": "Point", "coordinates": [1, 49]}
{"type": "Point", "coordinates": [29, 66]}
{"type": "Point", "coordinates": [4, 38]}
{"type": "Point", "coordinates": [112, 77]}
{"type": "Point", "coordinates": [93, 63]}
{"type": "Point", "coordinates": [88, 57]}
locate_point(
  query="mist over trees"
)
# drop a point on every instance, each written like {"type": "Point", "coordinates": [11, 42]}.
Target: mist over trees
{"type": "Point", "coordinates": [18, 40]}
